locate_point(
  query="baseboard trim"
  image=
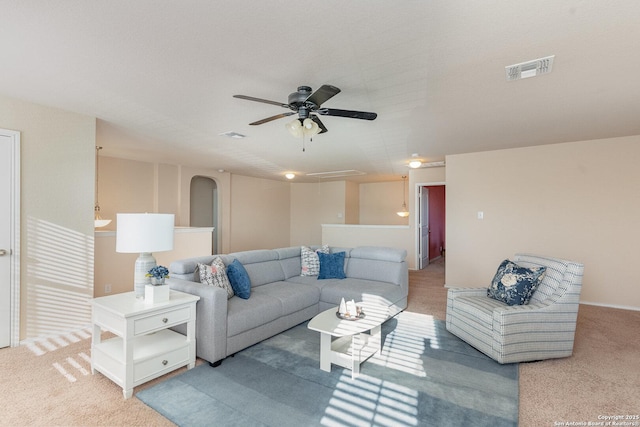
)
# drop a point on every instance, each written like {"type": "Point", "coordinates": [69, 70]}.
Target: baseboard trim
{"type": "Point", "coordinates": [619, 307]}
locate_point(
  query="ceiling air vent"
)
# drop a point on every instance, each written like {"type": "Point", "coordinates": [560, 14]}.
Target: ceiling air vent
{"type": "Point", "coordinates": [232, 134]}
{"type": "Point", "coordinates": [336, 174]}
{"type": "Point", "coordinates": [528, 69]}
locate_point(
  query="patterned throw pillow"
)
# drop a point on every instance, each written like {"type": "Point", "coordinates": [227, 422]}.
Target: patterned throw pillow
{"type": "Point", "coordinates": [309, 260]}
{"type": "Point", "coordinates": [514, 284]}
{"type": "Point", "coordinates": [215, 275]}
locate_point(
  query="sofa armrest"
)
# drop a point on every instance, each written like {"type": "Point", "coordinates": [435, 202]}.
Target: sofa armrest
{"type": "Point", "coordinates": [211, 318]}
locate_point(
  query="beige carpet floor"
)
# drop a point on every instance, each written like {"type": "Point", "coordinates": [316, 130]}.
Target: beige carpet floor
{"type": "Point", "coordinates": [49, 383]}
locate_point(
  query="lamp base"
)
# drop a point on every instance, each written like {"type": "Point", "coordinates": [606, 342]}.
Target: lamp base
{"type": "Point", "coordinates": [144, 263]}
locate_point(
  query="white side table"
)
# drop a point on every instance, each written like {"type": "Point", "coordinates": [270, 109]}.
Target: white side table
{"type": "Point", "coordinates": [144, 348]}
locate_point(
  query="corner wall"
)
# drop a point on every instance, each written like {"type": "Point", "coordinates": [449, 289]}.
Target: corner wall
{"type": "Point", "coordinates": [577, 201]}
{"type": "Point", "coordinates": [57, 192]}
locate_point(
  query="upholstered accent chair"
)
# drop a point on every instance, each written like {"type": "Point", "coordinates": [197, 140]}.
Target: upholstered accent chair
{"type": "Point", "coordinates": [542, 329]}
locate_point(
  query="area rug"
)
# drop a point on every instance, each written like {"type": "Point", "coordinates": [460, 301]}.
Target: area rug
{"type": "Point", "coordinates": [424, 376]}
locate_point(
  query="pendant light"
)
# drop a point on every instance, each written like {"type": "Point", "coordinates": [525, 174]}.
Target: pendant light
{"type": "Point", "coordinates": [97, 219]}
{"type": "Point", "coordinates": [404, 212]}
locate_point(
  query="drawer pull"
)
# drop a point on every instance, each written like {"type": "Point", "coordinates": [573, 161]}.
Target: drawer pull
{"type": "Point", "coordinates": [164, 362]}
{"type": "Point", "coordinates": [165, 320]}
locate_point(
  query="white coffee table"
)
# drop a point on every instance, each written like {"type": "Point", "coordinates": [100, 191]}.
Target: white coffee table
{"type": "Point", "coordinates": [348, 343]}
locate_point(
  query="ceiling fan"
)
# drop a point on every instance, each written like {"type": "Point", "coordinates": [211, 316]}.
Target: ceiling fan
{"type": "Point", "coordinates": [308, 106]}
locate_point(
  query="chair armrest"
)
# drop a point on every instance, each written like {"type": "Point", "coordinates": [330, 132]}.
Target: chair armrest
{"type": "Point", "coordinates": [536, 318]}
{"type": "Point", "coordinates": [211, 318]}
{"type": "Point", "coordinates": [466, 292]}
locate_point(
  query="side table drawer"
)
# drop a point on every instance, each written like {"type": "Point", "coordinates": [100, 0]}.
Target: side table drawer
{"type": "Point", "coordinates": [150, 368]}
{"type": "Point", "coordinates": [161, 321]}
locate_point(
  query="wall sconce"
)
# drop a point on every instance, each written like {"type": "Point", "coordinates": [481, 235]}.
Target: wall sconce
{"type": "Point", "coordinates": [97, 219]}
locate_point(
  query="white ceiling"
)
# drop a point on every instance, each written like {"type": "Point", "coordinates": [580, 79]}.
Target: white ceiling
{"type": "Point", "coordinates": [432, 70]}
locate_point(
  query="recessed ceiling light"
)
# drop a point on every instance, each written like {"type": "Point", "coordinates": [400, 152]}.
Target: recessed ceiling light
{"type": "Point", "coordinates": [232, 134]}
{"type": "Point", "coordinates": [290, 175]}
{"type": "Point", "coordinates": [416, 162]}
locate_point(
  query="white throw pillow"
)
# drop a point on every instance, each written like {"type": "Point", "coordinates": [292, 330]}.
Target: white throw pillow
{"type": "Point", "coordinates": [310, 261]}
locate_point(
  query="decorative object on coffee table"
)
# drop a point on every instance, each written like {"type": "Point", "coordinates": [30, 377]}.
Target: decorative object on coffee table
{"type": "Point", "coordinates": [349, 310]}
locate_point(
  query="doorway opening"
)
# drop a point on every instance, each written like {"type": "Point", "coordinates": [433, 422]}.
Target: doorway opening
{"type": "Point", "coordinates": [430, 223]}
{"type": "Point", "coordinates": [204, 207]}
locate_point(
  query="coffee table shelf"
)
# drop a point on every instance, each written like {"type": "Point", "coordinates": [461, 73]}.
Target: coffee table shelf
{"type": "Point", "coordinates": [349, 343]}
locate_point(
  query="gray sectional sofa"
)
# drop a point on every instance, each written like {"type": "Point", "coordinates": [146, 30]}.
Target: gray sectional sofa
{"type": "Point", "coordinates": [280, 297]}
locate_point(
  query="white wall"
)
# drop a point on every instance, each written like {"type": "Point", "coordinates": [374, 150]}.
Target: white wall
{"type": "Point", "coordinates": [57, 192]}
{"type": "Point", "coordinates": [577, 201]}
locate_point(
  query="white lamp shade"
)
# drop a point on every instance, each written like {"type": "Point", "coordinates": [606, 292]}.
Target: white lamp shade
{"type": "Point", "coordinates": [144, 232]}
{"type": "Point", "coordinates": [295, 127]}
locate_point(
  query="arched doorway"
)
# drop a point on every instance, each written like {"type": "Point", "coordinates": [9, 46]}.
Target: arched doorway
{"type": "Point", "coordinates": [204, 206]}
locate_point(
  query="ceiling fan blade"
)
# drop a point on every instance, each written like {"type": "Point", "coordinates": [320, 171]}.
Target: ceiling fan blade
{"type": "Point", "coordinates": [347, 113]}
{"type": "Point", "coordinates": [266, 101]}
{"type": "Point", "coordinates": [323, 128]}
{"type": "Point", "coordinates": [268, 119]}
{"type": "Point", "coordinates": [324, 93]}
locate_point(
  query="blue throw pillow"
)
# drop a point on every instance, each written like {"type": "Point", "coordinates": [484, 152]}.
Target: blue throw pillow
{"type": "Point", "coordinates": [331, 266]}
{"type": "Point", "coordinates": [514, 284]}
{"type": "Point", "coordinates": [239, 279]}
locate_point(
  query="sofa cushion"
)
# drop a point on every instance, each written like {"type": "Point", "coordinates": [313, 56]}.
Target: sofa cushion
{"type": "Point", "coordinates": [215, 275]}
{"type": "Point", "coordinates": [246, 314]}
{"type": "Point", "coordinates": [239, 279]}
{"type": "Point", "coordinates": [360, 290]}
{"type": "Point", "coordinates": [309, 261]}
{"type": "Point", "coordinates": [331, 266]}
{"type": "Point", "coordinates": [293, 296]}
{"type": "Point", "coordinates": [514, 284]}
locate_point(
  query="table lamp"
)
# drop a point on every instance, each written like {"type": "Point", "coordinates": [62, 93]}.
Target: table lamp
{"type": "Point", "coordinates": [144, 233]}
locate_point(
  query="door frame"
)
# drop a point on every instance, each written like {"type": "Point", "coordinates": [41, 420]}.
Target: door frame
{"type": "Point", "coordinates": [14, 281]}
{"type": "Point", "coordinates": [416, 222]}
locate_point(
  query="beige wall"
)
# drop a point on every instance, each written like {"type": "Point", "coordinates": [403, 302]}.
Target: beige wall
{"type": "Point", "coordinates": [380, 201]}
{"type": "Point", "coordinates": [577, 201]}
{"type": "Point", "coordinates": [116, 269]}
{"type": "Point", "coordinates": [351, 203]}
{"type": "Point", "coordinates": [350, 236]}
{"type": "Point", "coordinates": [305, 215]}
{"type": "Point", "coordinates": [57, 191]}
{"type": "Point", "coordinates": [320, 203]}
{"type": "Point", "coordinates": [259, 213]}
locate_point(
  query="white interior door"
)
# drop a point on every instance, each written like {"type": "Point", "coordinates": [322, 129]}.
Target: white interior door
{"type": "Point", "coordinates": [423, 226]}
{"type": "Point", "coordinates": [9, 232]}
